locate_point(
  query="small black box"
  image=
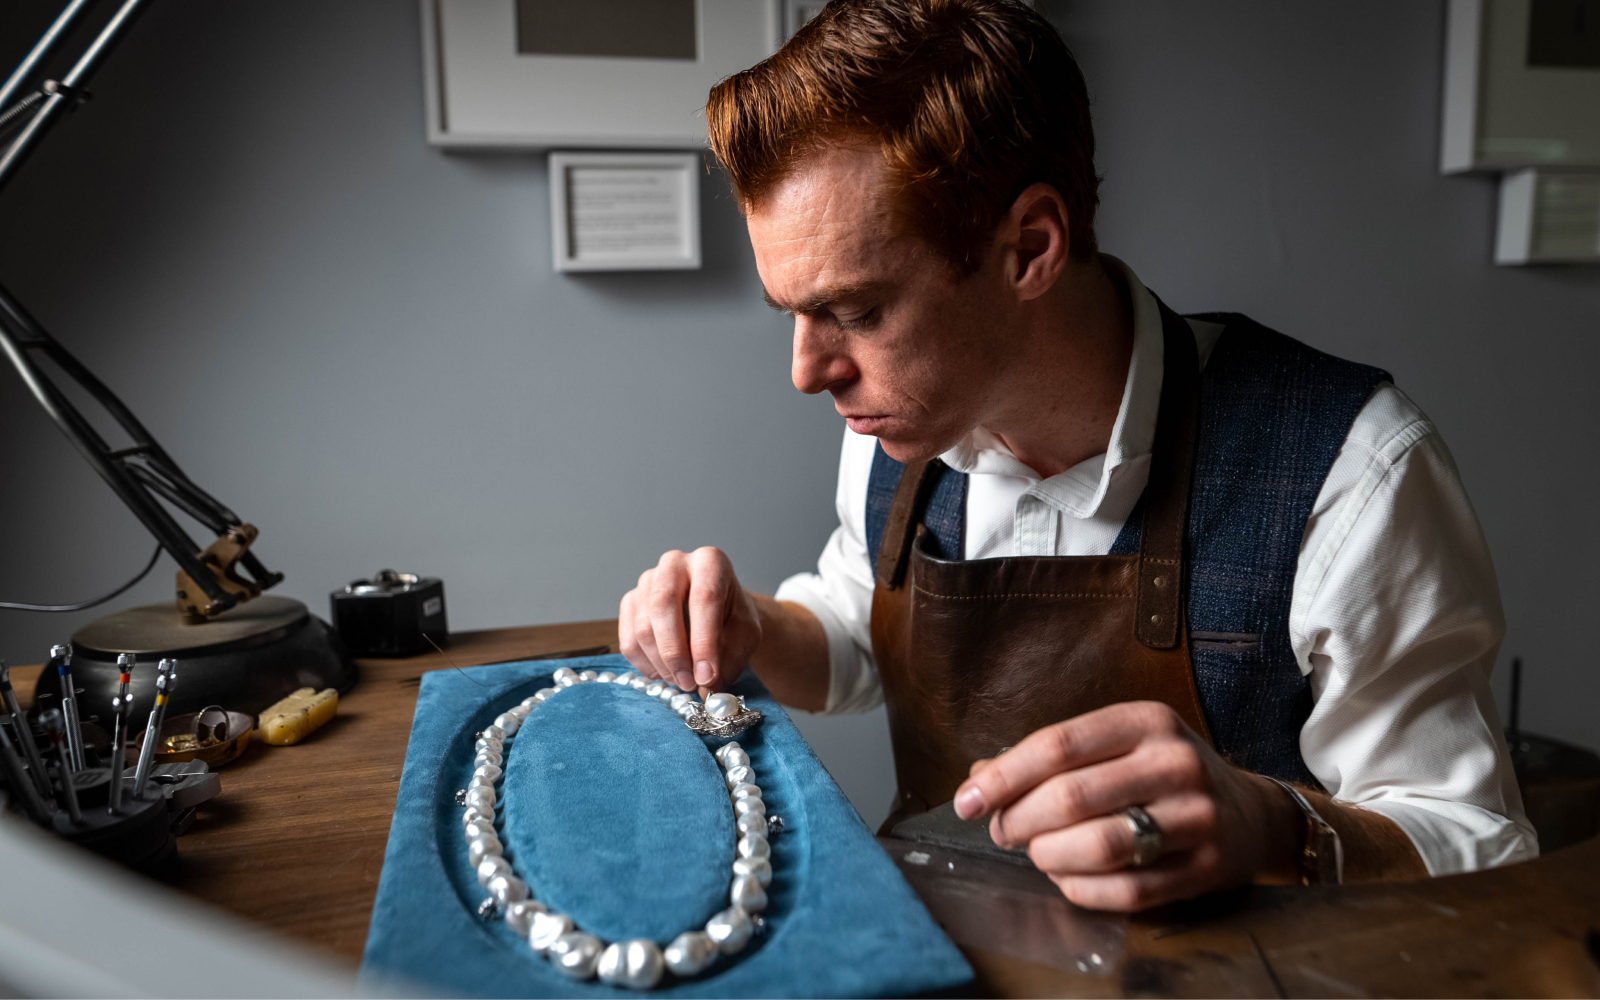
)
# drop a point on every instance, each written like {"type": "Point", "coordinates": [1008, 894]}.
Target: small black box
{"type": "Point", "coordinates": [393, 614]}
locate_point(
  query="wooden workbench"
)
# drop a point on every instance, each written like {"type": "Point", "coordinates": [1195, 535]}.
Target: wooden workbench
{"type": "Point", "coordinates": [315, 817]}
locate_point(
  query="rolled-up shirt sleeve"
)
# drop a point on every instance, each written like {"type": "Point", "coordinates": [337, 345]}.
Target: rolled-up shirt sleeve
{"type": "Point", "coordinates": [1397, 621]}
{"type": "Point", "coordinates": [839, 593]}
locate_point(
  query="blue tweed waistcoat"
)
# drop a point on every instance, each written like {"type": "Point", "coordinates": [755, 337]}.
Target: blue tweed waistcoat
{"type": "Point", "coordinates": [1273, 415]}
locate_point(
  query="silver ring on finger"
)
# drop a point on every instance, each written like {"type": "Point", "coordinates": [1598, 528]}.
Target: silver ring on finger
{"type": "Point", "coordinates": [1146, 835]}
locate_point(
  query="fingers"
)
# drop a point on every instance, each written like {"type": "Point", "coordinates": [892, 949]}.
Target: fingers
{"type": "Point", "coordinates": [1175, 877]}
{"type": "Point", "coordinates": [668, 588]}
{"type": "Point", "coordinates": [710, 582]}
{"type": "Point", "coordinates": [1088, 739]}
{"type": "Point", "coordinates": [1156, 768]}
{"type": "Point", "coordinates": [1105, 844]}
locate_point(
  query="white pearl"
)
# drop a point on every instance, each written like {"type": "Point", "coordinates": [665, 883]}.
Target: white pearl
{"type": "Point", "coordinates": [746, 790]}
{"type": "Point", "coordinates": [520, 914]}
{"type": "Point", "coordinates": [668, 692]}
{"type": "Point", "coordinates": [546, 928]}
{"type": "Point", "coordinates": [750, 804]}
{"type": "Point", "coordinates": [721, 753]}
{"type": "Point", "coordinates": [530, 703]}
{"type": "Point", "coordinates": [761, 868]}
{"type": "Point", "coordinates": [586, 676]}
{"type": "Point", "coordinates": [491, 867]}
{"type": "Point", "coordinates": [636, 964]}
{"type": "Point", "coordinates": [485, 743]}
{"type": "Point", "coordinates": [736, 758]}
{"type": "Point", "coordinates": [481, 797]}
{"type": "Point", "coordinates": [494, 732]}
{"type": "Point", "coordinates": [507, 723]}
{"type": "Point", "coordinates": [482, 847]}
{"type": "Point", "coordinates": [480, 828]}
{"type": "Point", "coordinates": [624, 679]}
{"type": "Point", "coordinates": [730, 929]}
{"type": "Point", "coordinates": [490, 771]}
{"type": "Point", "coordinates": [604, 676]}
{"type": "Point", "coordinates": [575, 954]}
{"type": "Point", "coordinates": [639, 682]}
{"type": "Point", "coordinates": [542, 694]}
{"type": "Point", "coordinates": [742, 773]}
{"type": "Point", "coordinates": [473, 814]}
{"type": "Point", "coordinates": [507, 889]}
{"type": "Point", "coordinates": [689, 711]}
{"type": "Point", "coordinates": [751, 822]}
{"type": "Point", "coordinates": [747, 894]}
{"type": "Point", "coordinates": [753, 845]}
{"type": "Point", "coordinates": [681, 699]}
{"type": "Point", "coordinates": [567, 681]}
{"type": "Point", "coordinates": [723, 706]}
{"type": "Point", "coordinates": [653, 689]}
{"type": "Point", "coordinates": [480, 781]}
{"type": "Point", "coordinates": [488, 757]}
{"type": "Point", "coordinates": [520, 711]}
{"type": "Point", "coordinates": [564, 674]}
{"type": "Point", "coordinates": [690, 953]}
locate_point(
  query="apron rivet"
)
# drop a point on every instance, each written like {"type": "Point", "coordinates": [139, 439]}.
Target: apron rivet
{"type": "Point", "coordinates": [1155, 619]}
{"type": "Point", "coordinates": [1160, 581]}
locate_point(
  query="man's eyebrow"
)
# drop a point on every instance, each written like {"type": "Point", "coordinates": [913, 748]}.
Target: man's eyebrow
{"type": "Point", "coordinates": [815, 301]}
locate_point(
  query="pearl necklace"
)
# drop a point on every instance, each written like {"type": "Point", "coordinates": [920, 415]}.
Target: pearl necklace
{"type": "Point", "coordinates": [639, 963]}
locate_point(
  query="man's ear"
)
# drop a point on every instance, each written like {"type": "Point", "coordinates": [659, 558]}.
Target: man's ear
{"type": "Point", "coordinates": [1036, 227]}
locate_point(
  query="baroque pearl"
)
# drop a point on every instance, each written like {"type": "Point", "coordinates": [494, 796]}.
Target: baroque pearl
{"type": "Point", "coordinates": [653, 689]}
{"type": "Point", "coordinates": [753, 845]}
{"type": "Point", "coordinates": [575, 953]}
{"type": "Point", "coordinates": [480, 828]}
{"type": "Point", "coordinates": [747, 894]}
{"type": "Point", "coordinates": [520, 711]}
{"type": "Point", "coordinates": [738, 774]}
{"type": "Point", "coordinates": [485, 743]}
{"type": "Point", "coordinates": [681, 699]}
{"type": "Point", "coordinates": [730, 929]}
{"type": "Point", "coordinates": [490, 771]}
{"type": "Point", "coordinates": [721, 753]}
{"type": "Point", "coordinates": [636, 964]}
{"type": "Point", "coordinates": [751, 822]}
{"type": "Point", "coordinates": [493, 732]}
{"type": "Point", "coordinates": [750, 804]}
{"type": "Point", "coordinates": [668, 692]}
{"type": "Point", "coordinates": [507, 889]}
{"type": "Point", "coordinates": [585, 676]}
{"type": "Point", "coordinates": [723, 706]}
{"type": "Point", "coordinates": [546, 929]}
{"type": "Point", "coordinates": [543, 693]}
{"type": "Point", "coordinates": [605, 676]}
{"type": "Point", "coordinates": [507, 723]}
{"type": "Point", "coordinates": [479, 781]}
{"type": "Point", "coordinates": [759, 868]}
{"type": "Point", "coordinates": [747, 790]}
{"type": "Point", "coordinates": [520, 914]}
{"type": "Point", "coordinates": [482, 847]}
{"type": "Point", "coordinates": [480, 797]}
{"type": "Point", "coordinates": [736, 758]}
{"type": "Point", "coordinates": [639, 682]}
{"type": "Point", "coordinates": [491, 867]}
{"type": "Point", "coordinates": [488, 757]}
{"type": "Point", "coordinates": [473, 814]}
{"type": "Point", "coordinates": [690, 953]}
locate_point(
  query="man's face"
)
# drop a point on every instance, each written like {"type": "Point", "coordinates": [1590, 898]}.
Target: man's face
{"type": "Point", "coordinates": [909, 354]}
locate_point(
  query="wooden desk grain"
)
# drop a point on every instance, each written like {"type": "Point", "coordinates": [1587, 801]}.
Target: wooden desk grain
{"type": "Point", "coordinates": [295, 841]}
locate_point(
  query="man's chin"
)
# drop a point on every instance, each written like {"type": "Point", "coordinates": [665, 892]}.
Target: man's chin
{"type": "Point", "coordinates": [907, 452]}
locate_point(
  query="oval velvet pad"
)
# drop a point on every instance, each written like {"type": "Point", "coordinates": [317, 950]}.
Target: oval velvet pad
{"type": "Point", "coordinates": [617, 815]}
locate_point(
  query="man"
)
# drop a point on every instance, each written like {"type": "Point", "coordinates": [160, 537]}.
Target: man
{"type": "Point", "coordinates": [1177, 604]}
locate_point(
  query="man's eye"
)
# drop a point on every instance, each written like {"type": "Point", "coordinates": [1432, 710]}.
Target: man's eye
{"type": "Point", "coordinates": [862, 322]}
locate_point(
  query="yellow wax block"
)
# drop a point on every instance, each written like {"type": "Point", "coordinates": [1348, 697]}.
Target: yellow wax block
{"type": "Point", "coordinates": [293, 718]}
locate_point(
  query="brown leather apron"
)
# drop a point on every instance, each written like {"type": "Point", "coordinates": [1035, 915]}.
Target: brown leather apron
{"type": "Point", "coordinates": [976, 654]}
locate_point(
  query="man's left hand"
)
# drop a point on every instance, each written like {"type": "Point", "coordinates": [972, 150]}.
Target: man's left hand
{"type": "Point", "coordinates": [1061, 790]}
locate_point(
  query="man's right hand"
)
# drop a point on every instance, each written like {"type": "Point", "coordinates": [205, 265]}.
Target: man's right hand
{"type": "Point", "coordinates": [722, 630]}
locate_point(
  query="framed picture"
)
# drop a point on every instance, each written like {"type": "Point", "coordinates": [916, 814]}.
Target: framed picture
{"type": "Point", "coordinates": [1522, 85]}
{"type": "Point", "coordinates": [585, 73]}
{"type": "Point", "coordinates": [625, 211]}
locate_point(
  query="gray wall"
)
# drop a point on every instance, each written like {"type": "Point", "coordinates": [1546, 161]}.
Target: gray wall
{"type": "Point", "coordinates": [358, 342]}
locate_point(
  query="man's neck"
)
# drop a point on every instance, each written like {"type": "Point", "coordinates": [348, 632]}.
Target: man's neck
{"type": "Point", "coordinates": [1062, 402]}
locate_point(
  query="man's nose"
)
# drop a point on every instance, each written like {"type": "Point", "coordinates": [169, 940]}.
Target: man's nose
{"type": "Point", "coordinates": [820, 363]}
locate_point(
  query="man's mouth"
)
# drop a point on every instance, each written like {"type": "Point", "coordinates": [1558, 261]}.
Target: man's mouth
{"type": "Point", "coordinates": [867, 423]}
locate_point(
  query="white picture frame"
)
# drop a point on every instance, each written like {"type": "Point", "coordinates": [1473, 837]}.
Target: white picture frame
{"type": "Point", "coordinates": [1506, 108]}
{"type": "Point", "coordinates": [625, 211]}
{"type": "Point", "coordinates": [481, 93]}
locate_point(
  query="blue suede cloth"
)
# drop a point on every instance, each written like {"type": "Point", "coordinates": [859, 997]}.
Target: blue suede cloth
{"type": "Point", "coordinates": [616, 814]}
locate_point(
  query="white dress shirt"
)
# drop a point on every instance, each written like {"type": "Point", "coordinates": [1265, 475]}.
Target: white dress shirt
{"type": "Point", "coordinates": [1395, 615]}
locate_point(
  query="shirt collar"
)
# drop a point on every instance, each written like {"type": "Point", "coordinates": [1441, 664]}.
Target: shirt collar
{"type": "Point", "coordinates": [1080, 490]}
